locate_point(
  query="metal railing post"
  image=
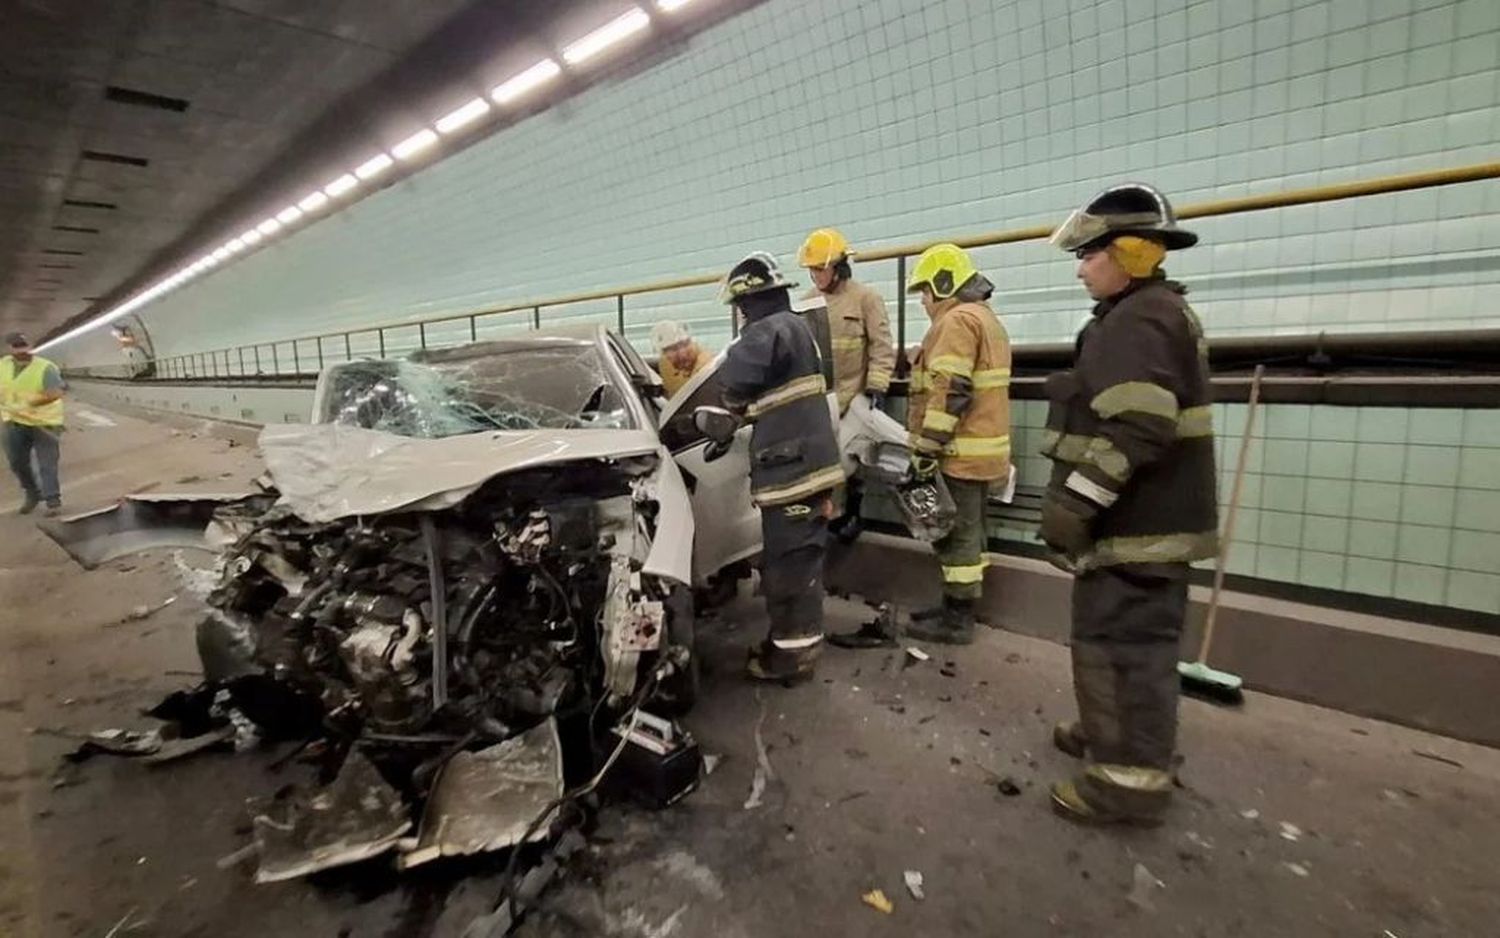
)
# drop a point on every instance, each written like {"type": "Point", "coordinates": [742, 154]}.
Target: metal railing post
{"type": "Point", "coordinates": [901, 362]}
{"type": "Point", "coordinates": [242, 361]}
{"type": "Point", "coordinates": [620, 313]}
{"type": "Point", "coordinates": [257, 359]}
{"type": "Point", "coordinates": [275, 360]}
{"type": "Point", "coordinates": [422, 336]}
{"type": "Point", "coordinates": [473, 330]}
{"type": "Point", "coordinates": [536, 318]}
{"type": "Point", "coordinates": [296, 359]}
{"type": "Point", "coordinates": [348, 349]}
{"type": "Point", "coordinates": [381, 333]}
{"type": "Point", "coordinates": [320, 354]}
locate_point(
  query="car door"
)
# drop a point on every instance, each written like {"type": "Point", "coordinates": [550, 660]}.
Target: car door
{"type": "Point", "coordinates": [727, 521]}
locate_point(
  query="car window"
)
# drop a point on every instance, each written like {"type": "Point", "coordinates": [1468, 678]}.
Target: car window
{"type": "Point", "coordinates": [679, 432]}
{"type": "Point", "coordinates": [543, 388]}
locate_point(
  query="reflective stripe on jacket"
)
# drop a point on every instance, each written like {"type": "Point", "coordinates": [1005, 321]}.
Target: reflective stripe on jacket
{"type": "Point", "coordinates": [673, 378]}
{"type": "Point", "coordinates": [859, 333]}
{"type": "Point", "coordinates": [960, 392]}
{"type": "Point", "coordinates": [1130, 428]}
{"type": "Point", "coordinates": [19, 384]}
{"type": "Point", "coordinates": [774, 376]}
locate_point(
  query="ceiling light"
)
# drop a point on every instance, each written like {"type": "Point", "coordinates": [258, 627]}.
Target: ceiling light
{"type": "Point", "coordinates": [340, 185]}
{"type": "Point", "coordinates": [514, 87]}
{"type": "Point", "coordinates": [251, 237]}
{"type": "Point", "coordinates": [462, 117]}
{"type": "Point", "coordinates": [235, 245]}
{"type": "Point", "coordinates": [289, 214]}
{"type": "Point", "coordinates": [667, 6]}
{"type": "Point", "coordinates": [221, 253]}
{"type": "Point", "coordinates": [414, 144]}
{"type": "Point", "coordinates": [268, 227]}
{"type": "Point", "coordinates": [373, 166]}
{"type": "Point", "coordinates": [606, 36]}
{"type": "Point", "coordinates": [313, 201]}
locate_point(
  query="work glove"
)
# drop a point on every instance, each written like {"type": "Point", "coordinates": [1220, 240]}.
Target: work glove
{"type": "Point", "coordinates": [1066, 522]}
{"type": "Point", "coordinates": [876, 398]}
{"type": "Point", "coordinates": [923, 466]}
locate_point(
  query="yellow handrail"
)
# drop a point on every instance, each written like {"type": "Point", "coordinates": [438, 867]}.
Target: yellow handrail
{"type": "Point", "coordinates": [1385, 184]}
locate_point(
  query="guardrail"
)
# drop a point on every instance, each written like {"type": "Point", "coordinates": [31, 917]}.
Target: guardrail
{"type": "Point", "coordinates": [308, 355]}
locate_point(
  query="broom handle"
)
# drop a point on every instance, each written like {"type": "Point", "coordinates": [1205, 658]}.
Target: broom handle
{"type": "Point", "coordinates": [1234, 510]}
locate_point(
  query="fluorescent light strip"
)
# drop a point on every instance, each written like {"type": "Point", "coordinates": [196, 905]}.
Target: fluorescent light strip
{"type": "Point", "coordinates": [340, 185]}
{"type": "Point", "coordinates": [235, 245]}
{"type": "Point", "coordinates": [373, 166]}
{"type": "Point", "coordinates": [251, 237]}
{"type": "Point", "coordinates": [669, 6]}
{"type": "Point", "coordinates": [289, 214]}
{"type": "Point", "coordinates": [268, 227]}
{"type": "Point", "coordinates": [607, 35]}
{"type": "Point", "coordinates": [462, 117]}
{"type": "Point", "coordinates": [416, 143]}
{"type": "Point", "coordinates": [313, 201]}
{"type": "Point", "coordinates": [512, 88]}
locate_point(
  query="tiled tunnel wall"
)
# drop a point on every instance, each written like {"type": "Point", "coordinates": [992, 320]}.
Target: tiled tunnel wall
{"type": "Point", "coordinates": [900, 122]}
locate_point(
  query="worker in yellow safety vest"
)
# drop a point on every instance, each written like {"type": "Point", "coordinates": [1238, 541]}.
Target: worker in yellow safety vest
{"type": "Point", "coordinates": [959, 419]}
{"type": "Point", "coordinates": [681, 356]}
{"type": "Point", "coordinates": [31, 413]}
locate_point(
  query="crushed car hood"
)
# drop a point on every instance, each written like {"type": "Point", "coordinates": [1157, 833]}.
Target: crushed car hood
{"type": "Point", "coordinates": [325, 472]}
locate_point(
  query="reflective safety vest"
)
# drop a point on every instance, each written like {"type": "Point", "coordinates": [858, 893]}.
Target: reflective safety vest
{"type": "Point", "coordinates": [859, 338]}
{"type": "Point", "coordinates": [19, 384]}
{"type": "Point", "coordinates": [960, 393]}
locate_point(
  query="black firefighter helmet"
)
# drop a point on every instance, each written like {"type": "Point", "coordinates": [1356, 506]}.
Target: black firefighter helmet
{"type": "Point", "coordinates": [1132, 208]}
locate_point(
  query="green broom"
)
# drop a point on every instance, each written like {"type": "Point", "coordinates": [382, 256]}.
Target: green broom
{"type": "Point", "coordinates": [1198, 678]}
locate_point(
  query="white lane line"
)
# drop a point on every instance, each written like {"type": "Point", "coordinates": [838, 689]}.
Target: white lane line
{"type": "Point", "coordinates": [93, 419]}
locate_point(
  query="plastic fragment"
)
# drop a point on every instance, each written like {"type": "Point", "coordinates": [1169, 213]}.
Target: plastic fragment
{"type": "Point", "coordinates": [876, 900]}
{"type": "Point", "coordinates": [914, 881]}
{"type": "Point", "coordinates": [1143, 884]}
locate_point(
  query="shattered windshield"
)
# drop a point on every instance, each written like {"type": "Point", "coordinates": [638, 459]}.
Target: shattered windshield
{"type": "Point", "coordinates": [563, 387]}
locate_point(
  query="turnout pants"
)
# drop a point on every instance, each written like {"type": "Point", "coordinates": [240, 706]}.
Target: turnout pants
{"type": "Point", "coordinates": [961, 553]}
{"type": "Point", "coordinates": [795, 537]}
{"type": "Point", "coordinates": [22, 443]}
{"type": "Point", "coordinates": [1127, 625]}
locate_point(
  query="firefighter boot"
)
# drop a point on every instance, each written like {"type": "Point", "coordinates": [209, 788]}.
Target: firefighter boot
{"type": "Point", "coordinates": [1114, 794]}
{"type": "Point", "coordinates": [954, 627]}
{"type": "Point", "coordinates": [766, 662]}
{"type": "Point", "coordinates": [1068, 737]}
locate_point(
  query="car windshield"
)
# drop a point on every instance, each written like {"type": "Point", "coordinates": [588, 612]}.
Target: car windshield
{"type": "Point", "coordinates": [561, 387]}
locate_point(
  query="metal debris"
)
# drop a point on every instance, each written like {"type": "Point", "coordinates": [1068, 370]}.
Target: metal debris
{"type": "Point", "coordinates": [917, 654]}
{"type": "Point", "coordinates": [1435, 757]}
{"type": "Point", "coordinates": [1290, 832]}
{"type": "Point", "coordinates": [1297, 868]}
{"type": "Point", "coordinates": [763, 770]}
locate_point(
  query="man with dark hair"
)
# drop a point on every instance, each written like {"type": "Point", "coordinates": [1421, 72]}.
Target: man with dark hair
{"type": "Point", "coordinates": [1131, 501]}
{"type": "Point", "coordinates": [31, 409]}
{"type": "Point", "coordinates": [773, 377]}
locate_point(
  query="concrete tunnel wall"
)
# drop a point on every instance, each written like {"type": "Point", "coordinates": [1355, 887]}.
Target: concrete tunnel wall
{"type": "Point", "coordinates": [901, 121]}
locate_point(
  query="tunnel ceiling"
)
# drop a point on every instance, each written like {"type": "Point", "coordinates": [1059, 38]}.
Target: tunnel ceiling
{"type": "Point", "coordinates": [124, 124]}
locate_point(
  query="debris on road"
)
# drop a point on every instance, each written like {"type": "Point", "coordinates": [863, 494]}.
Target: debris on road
{"type": "Point", "coordinates": [146, 611]}
{"type": "Point", "coordinates": [876, 900]}
{"type": "Point", "coordinates": [917, 654]}
{"type": "Point", "coordinates": [1290, 832]}
{"type": "Point", "coordinates": [1297, 868]}
{"type": "Point", "coordinates": [1008, 787]}
{"type": "Point", "coordinates": [763, 770]}
{"type": "Point", "coordinates": [1437, 758]}
{"type": "Point", "coordinates": [118, 742]}
{"type": "Point", "coordinates": [1198, 840]}
{"type": "Point", "coordinates": [1143, 884]}
{"type": "Point", "coordinates": [1250, 814]}
{"type": "Point", "coordinates": [914, 880]}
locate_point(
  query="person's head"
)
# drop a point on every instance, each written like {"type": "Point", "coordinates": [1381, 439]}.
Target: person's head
{"type": "Point", "coordinates": [756, 288]}
{"type": "Point", "coordinates": [945, 276]}
{"type": "Point", "coordinates": [18, 346]}
{"type": "Point", "coordinates": [674, 343]}
{"type": "Point", "coordinates": [1122, 235]}
{"type": "Point", "coordinates": [826, 256]}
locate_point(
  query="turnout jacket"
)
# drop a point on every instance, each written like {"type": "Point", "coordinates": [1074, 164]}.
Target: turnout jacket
{"type": "Point", "coordinates": [859, 334]}
{"type": "Point", "coordinates": [773, 375]}
{"type": "Point", "coordinates": [1130, 428]}
{"type": "Point", "coordinates": [959, 408]}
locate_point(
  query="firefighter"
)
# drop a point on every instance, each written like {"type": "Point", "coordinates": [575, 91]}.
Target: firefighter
{"type": "Point", "coordinates": [1130, 503]}
{"type": "Point", "coordinates": [859, 337]}
{"type": "Point", "coordinates": [680, 355]}
{"type": "Point", "coordinates": [859, 330]}
{"type": "Point", "coordinates": [959, 418]}
{"type": "Point", "coordinates": [773, 378]}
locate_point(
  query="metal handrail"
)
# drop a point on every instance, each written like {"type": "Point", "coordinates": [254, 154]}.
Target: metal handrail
{"type": "Point", "coordinates": [206, 364]}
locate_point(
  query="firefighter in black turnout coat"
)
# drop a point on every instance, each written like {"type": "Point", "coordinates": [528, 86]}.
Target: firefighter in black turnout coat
{"type": "Point", "coordinates": [1131, 501]}
{"type": "Point", "coordinates": [773, 378]}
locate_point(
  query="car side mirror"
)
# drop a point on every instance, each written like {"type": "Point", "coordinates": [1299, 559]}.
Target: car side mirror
{"type": "Point", "coordinates": [652, 390]}
{"type": "Point", "coordinates": [716, 423]}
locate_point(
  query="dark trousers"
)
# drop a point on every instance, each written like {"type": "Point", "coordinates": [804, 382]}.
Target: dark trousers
{"type": "Point", "coordinates": [794, 538]}
{"type": "Point", "coordinates": [22, 443]}
{"type": "Point", "coordinates": [1127, 626]}
{"type": "Point", "coordinates": [961, 553]}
